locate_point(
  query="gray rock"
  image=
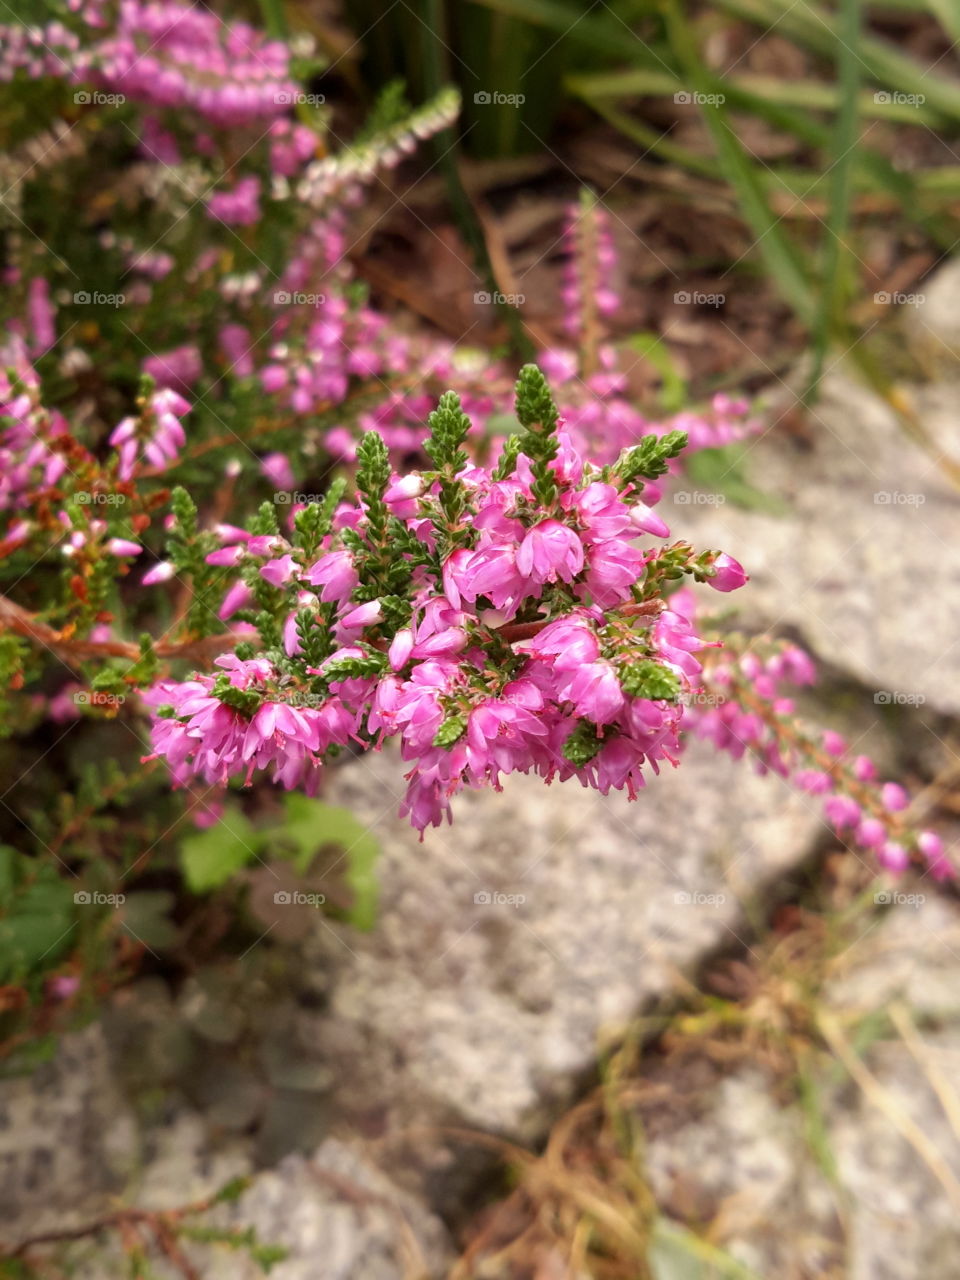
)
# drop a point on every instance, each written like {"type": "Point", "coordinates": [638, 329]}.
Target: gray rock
{"type": "Point", "coordinates": [68, 1140]}
{"type": "Point", "coordinates": [333, 1216]}
{"type": "Point", "coordinates": [867, 543]}
{"type": "Point", "coordinates": [743, 1160]}
{"type": "Point", "coordinates": [933, 321]}
{"type": "Point", "coordinates": [891, 1209]}
{"type": "Point", "coordinates": [512, 944]}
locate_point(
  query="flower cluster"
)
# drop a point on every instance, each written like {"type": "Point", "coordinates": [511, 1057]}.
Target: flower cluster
{"type": "Point", "coordinates": [494, 621]}
{"type": "Point", "coordinates": [498, 596]}
{"type": "Point", "coordinates": [744, 708]}
{"type": "Point", "coordinates": [163, 54]}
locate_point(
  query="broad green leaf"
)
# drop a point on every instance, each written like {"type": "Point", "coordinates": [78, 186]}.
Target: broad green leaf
{"type": "Point", "coordinates": [311, 824]}
{"type": "Point", "coordinates": [209, 858]}
{"type": "Point", "coordinates": [36, 926]}
{"type": "Point", "coordinates": [723, 471]}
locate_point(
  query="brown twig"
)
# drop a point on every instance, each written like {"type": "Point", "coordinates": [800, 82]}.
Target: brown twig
{"type": "Point", "coordinates": [22, 623]}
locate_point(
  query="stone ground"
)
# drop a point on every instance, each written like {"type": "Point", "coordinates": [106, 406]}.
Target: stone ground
{"type": "Point", "coordinates": [334, 1070]}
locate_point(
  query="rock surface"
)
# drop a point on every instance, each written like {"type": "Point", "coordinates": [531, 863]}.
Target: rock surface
{"type": "Point", "coordinates": [68, 1139]}
{"type": "Point", "coordinates": [511, 944]}
{"type": "Point", "coordinates": [891, 1211]}
{"type": "Point", "coordinates": [867, 539]}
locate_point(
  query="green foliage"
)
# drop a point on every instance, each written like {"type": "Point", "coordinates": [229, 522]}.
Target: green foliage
{"type": "Point", "coordinates": [310, 824]}
{"type": "Point", "coordinates": [209, 858]}
{"type": "Point", "coordinates": [534, 405]}
{"type": "Point", "coordinates": [14, 654]}
{"type": "Point", "coordinates": [583, 744]}
{"type": "Point", "coordinates": [390, 109]}
{"type": "Point", "coordinates": [449, 428]}
{"type": "Point", "coordinates": [372, 664]}
{"type": "Point", "coordinates": [313, 522]}
{"type": "Point", "coordinates": [649, 679]}
{"type": "Point", "coordinates": [538, 415]}
{"type": "Point", "coordinates": [648, 459]}
{"type": "Point", "coordinates": [37, 915]}
{"type": "Point", "coordinates": [451, 730]}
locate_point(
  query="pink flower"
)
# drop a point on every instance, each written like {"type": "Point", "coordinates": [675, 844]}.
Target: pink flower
{"type": "Point", "coordinates": [336, 575]}
{"type": "Point", "coordinates": [279, 571]}
{"type": "Point", "coordinates": [728, 573]}
{"type": "Point", "coordinates": [550, 551]}
{"type": "Point", "coordinates": [595, 692]}
{"type": "Point", "coordinates": [123, 547]}
{"type": "Point", "coordinates": [163, 571]}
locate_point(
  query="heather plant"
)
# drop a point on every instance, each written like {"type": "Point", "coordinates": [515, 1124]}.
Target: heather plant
{"type": "Point", "coordinates": [252, 523]}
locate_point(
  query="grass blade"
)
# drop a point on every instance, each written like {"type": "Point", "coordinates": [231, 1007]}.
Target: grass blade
{"type": "Point", "coordinates": [838, 257]}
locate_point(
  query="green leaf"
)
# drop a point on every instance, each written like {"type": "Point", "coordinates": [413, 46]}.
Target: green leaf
{"type": "Point", "coordinates": [648, 459]}
{"type": "Point", "coordinates": [649, 679]}
{"type": "Point", "coordinates": [311, 824]}
{"type": "Point", "coordinates": [723, 470]}
{"type": "Point", "coordinates": [449, 427]}
{"type": "Point", "coordinates": [838, 256]}
{"type": "Point", "coordinates": [450, 731]}
{"type": "Point", "coordinates": [583, 744]}
{"type": "Point", "coordinates": [673, 388]}
{"type": "Point", "coordinates": [534, 403]}
{"type": "Point", "coordinates": [209, 858]}
{"type": "Point", "coordinates": [38, 920]}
